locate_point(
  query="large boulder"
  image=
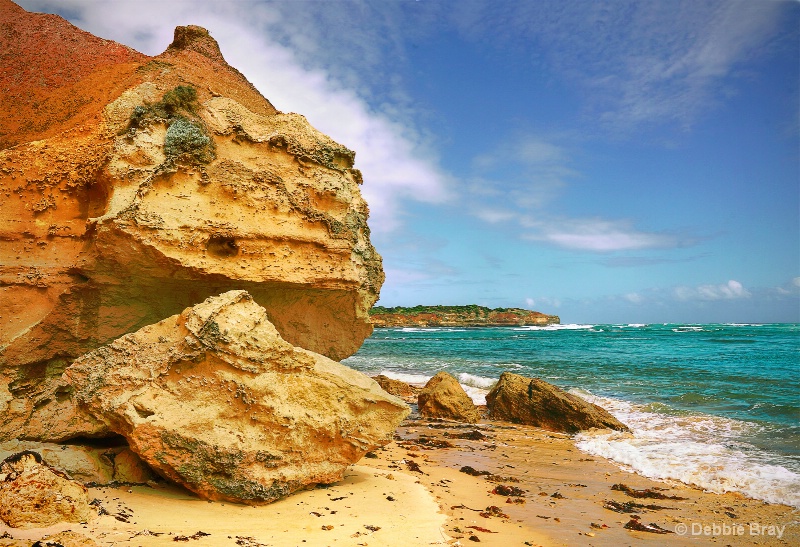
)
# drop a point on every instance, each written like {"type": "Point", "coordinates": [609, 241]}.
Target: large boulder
{"type": "Point", "coordinates": [135, 186]}
{"type": "Point", "coordinates": [33, 495]}
{"type": "Point", "coordinates": [535, 402]}
{"type": "Point", "coordinates": [214, 399]}
{"type": "Point", "coordinates": [443, 397]}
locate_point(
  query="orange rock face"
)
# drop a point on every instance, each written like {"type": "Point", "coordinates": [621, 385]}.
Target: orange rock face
{"type": "Point", "coordinates": [121, 208]}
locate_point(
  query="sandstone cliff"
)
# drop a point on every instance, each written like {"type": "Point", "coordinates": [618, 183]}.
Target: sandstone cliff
{"type": "Point", "coordinates": [457, 316]}
{"type": "Point", "coordinates": [134, 187]}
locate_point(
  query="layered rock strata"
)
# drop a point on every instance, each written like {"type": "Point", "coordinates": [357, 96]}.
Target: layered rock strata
{"type": "Point", "coordinates": [134, 187]}
{"type": "Point", "coordinates": [214, 399]}
{"type": "Point", "coordinates": [532, 401]}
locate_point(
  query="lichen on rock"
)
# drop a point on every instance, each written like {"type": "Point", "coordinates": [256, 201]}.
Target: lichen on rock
{"type": "Point", "coordinates": [215, 400]}
{"type": "Point", "coordinates": [120, 214]}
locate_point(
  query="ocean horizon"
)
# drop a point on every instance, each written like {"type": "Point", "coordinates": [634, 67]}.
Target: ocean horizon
{"type": "Point", "coordinates": [711, 405]}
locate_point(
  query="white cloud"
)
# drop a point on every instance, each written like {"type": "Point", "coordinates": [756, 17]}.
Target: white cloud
{"type": "Point", "coordinates": [543, 302]}
{"type": "Point", "coordinates": [792, 288]}
{"type": "Point", "coordinates": [634, 298]}
{"type": "Point", "coordinates": [397, 163]}
{"type": "Point", "coordinates": [597, 235]}
{"type": "Point", "coordinates": [529, 173]}
{"type": "Point", "coordinates": [732, 290]}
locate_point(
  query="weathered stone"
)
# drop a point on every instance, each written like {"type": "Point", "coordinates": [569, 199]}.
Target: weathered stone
{"type": "Point", "coordinates": [397, 387]}
{"type": "Point", "coordinates": [34, 495]}
{"type": "Point", "coordinates": [95, 463]}
{"type": "Point", "coordinates": [534, 402]}
{"type": "Point", "coordinates": [443, 397]}
{"type": "Point", "coordinates": [105, 229]}
{"type": "Point", "coordinates": [214, 399]}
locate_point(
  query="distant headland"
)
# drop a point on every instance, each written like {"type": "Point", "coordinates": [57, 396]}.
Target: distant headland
{"type": "Point", "coordinates": [457, 316]}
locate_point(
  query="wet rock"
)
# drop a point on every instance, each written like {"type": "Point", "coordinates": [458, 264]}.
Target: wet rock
{"type": "Point", "coordinates": [443, 397]}
{"type": "Point", "coordinates": [535, 402]}
{"type": "Point", "coordinates": [214, 399]}
{"type": "Point", "coordinates": [33, 495]}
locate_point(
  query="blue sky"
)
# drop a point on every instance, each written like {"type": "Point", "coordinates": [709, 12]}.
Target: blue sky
{"type": "Point", "coordinates": [603, 161]}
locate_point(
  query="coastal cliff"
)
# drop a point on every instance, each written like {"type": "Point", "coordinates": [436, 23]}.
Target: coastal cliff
{"type": "Point", "coordinates": [134, 187]}
{"type": "Point", "coordinates": [458, 316]}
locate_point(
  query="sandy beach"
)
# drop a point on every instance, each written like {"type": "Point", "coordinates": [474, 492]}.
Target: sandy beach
{"type": "Point", "coordinates": [412, 492]}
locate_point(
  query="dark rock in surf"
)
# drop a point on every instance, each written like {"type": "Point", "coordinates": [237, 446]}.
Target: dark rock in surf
{"type": "Point", "coordinates": [532, 401]}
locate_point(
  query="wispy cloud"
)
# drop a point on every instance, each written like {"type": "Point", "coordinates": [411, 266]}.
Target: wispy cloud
{"type": "Point", "coordinates": [674, 61]}
{"type": "Point", "coordinates": [519, 183]}
{"type": "Point", "coordinates": [543, 302]}
{"type": "Point", "coordinates": [732, 290]}
{"type": "Point", "coordinates": [791, 288]}
{"type": "Point", "coordinates": [640, 63]}
{"type": "Point", "coordinates": [638, 261]}
{"type": "Point", "coordinates": [529, 171]}
{"type": "Point", "coordinates": [598, 235]}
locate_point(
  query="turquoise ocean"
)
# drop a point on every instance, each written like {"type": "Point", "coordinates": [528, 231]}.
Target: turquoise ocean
{"type": "Point", "coordinates": [712, 405]}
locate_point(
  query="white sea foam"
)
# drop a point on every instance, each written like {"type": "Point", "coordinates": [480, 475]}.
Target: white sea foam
{"type": "Point", "coordinates": [412, 379]}
{"type": "Point", "coordinates": [569, 326]}
{"type": "Point", "coordinates": [688, 328]}
{"type": "Point", "coordinates": [699, 449]}
{"type": "Point", "coordinates": [466, 379]}
{"type": "Point", "coordinates": [476, 386]}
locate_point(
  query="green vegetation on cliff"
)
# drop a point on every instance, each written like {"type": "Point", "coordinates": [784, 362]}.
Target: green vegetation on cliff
{"type": "Point", "coordinates": [468, 309]}
{"type": "Point", "coordinates": [450, 316]}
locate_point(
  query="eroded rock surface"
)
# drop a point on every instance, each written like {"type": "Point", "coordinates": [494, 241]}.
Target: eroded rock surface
{"type": "Point", "coordinates": [214, 399]}
{"type": "Point", "coordinates": [532, 401]}
{"type": "Point", "coordinates": [397, 388]}
{"type": "Point", "coordinates": [98, 464]}
{"type": "Point", "coordinates": [33, 495]}
{"type": "Point", "coordinates": [443, 397]}
{"type": "Point", "coordinates": [135, 186]}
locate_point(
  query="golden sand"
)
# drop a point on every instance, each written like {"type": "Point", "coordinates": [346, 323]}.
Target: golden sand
{"type": "Point", "coordinates": [413, 494]}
